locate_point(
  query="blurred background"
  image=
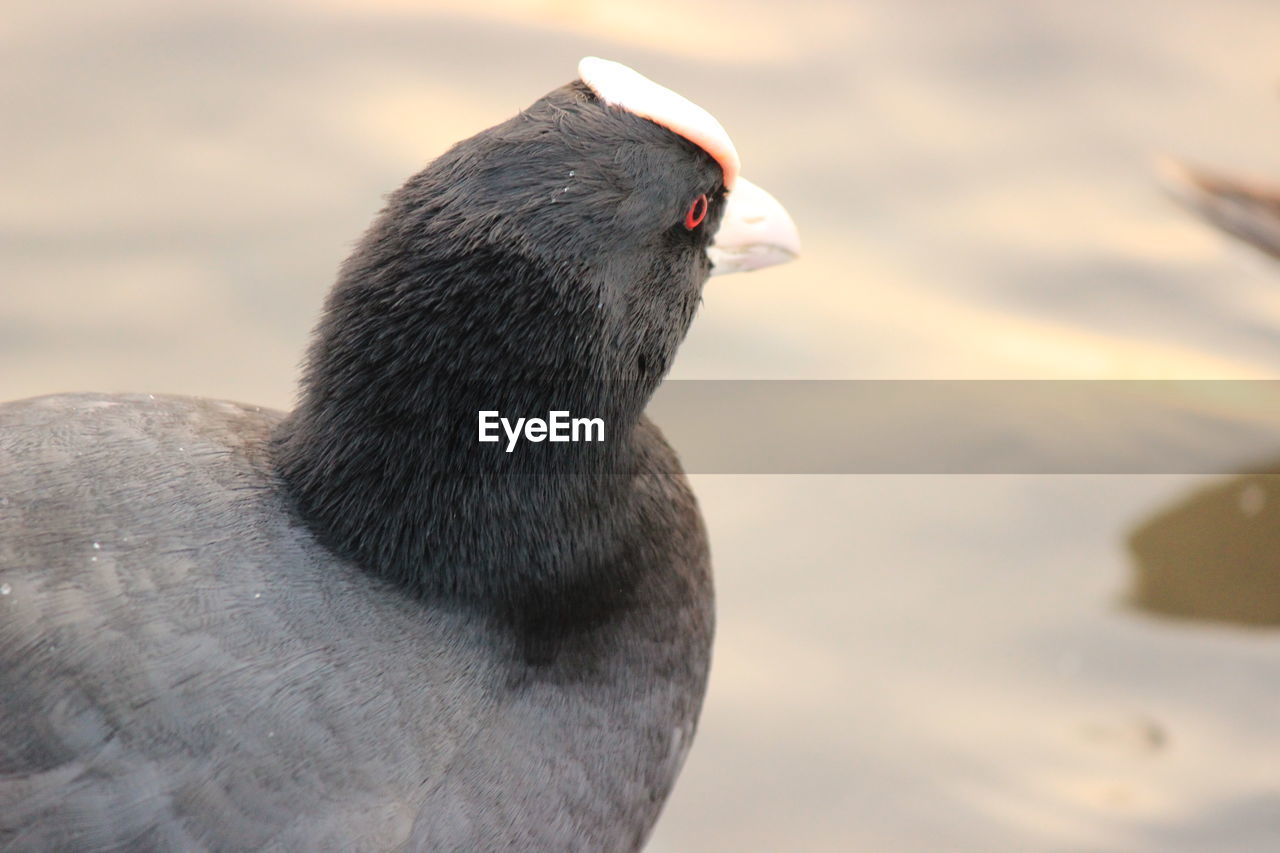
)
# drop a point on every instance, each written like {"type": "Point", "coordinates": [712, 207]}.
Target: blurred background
{"type": "Point", "coordinates": [904, 663]}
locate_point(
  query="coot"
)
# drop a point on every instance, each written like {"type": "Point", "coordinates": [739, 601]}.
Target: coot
{"type": "Point", "coordinates": [356, 626]}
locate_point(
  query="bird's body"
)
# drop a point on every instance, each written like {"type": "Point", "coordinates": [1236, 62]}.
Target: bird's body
{"type": "Point", "coordinates": [159, 692]}
{"type": "Point", "coordinates": [354, 626]}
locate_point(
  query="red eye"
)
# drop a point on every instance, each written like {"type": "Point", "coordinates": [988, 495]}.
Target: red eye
{"type": "Point", "coordinates": [696, 213]}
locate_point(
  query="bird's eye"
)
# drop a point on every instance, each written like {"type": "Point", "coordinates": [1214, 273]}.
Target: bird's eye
{"type": "Point", "coordinates": [696, 213]}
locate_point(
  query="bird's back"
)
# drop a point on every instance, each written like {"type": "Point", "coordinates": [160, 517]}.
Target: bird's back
{"type": "Point", "coordinates": [183, 666]}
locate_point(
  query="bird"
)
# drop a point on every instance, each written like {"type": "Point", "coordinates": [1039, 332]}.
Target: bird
{"type": "Point", "coordinates": [1248, 210]}
{"type": "Point", "coordinates": [355, 626]}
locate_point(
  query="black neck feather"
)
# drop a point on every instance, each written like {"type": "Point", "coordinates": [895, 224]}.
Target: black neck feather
{"type": "Point", "coordinates": [381, 454]}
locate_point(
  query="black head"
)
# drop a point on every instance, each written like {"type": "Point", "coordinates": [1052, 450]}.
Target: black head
{"type": "Point", "coordinates": [552, 245]}
{"type": "Point", "coordinates": [574, 181]}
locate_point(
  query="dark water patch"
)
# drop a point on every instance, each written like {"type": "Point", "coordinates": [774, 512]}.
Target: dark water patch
{"type": "Point", "coordinates": [1214, 555]}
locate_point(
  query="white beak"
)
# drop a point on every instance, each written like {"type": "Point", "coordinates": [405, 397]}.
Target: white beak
{"type": "Point", "coordinates": [756, 231]}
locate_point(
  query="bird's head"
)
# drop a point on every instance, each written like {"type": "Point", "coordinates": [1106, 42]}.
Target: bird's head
{"type": "Point", "coordinates": [568, 243]}
{"type": "Point", "coordinates": [590, 220]}
{"type": "Point", "coordinates": [611, 168]}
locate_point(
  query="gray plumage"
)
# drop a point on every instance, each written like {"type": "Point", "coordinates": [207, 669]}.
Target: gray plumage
{"type": "Point", "coordinates": [183, 667]}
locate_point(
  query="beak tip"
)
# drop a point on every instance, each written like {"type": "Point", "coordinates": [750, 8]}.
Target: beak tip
{"type": "Point", "coordinates": [756, 232]}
